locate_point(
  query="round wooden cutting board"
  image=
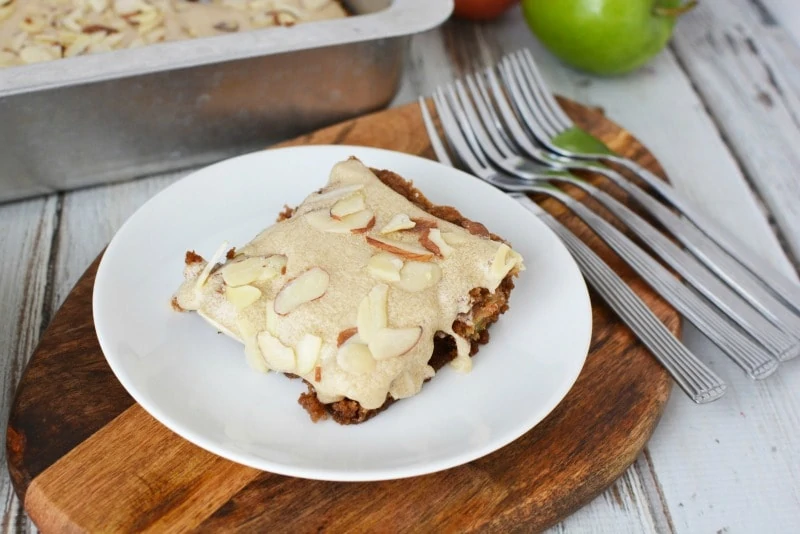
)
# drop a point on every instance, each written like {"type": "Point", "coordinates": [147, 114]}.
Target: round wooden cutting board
{"type": "Point", "coordinates": [84, 456]}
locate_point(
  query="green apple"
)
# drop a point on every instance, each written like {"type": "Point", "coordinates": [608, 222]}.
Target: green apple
{"type": "Point", "coordinates": [604, 36]}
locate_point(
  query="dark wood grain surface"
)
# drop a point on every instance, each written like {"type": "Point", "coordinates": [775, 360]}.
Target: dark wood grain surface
{"type": "Point", "coordinates": [84, 456]}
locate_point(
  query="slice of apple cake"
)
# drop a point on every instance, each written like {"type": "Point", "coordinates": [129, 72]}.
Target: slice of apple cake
{"type": "Point", "coordinates": [364, 291]}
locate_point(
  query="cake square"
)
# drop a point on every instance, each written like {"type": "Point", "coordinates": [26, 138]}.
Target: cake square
{"type": "Point", "coordinates": [364, 291]}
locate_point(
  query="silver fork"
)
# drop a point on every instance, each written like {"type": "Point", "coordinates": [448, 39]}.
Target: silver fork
{"type": "Point", "coordinates": [501, 154]}
{"type": "Point", "coordinates": [743, 283]}
{"type": "Point", "coordinates": [698, 381]}
{"type": "Point", "coordinates": [705, 239]}
{"type": "Point", "coordinates": [741, 349]}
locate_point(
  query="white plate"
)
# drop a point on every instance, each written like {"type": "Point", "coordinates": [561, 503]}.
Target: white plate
{"type": "Point", "coordinates": [197, 383]}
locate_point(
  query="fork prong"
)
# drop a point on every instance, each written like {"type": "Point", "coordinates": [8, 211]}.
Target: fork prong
{"type": "Point", "coordinates": [433, 135]}
{"type": "Point", "coordinates": [478, 80]}
{"type": "Point", "coordinates": [535, 94]}
{"type": "Point", "coordinates": [487, 142]}
{"type": "Point", "coordinates": [510, 119]}
{"type": "Point", "coordinates": [454, 136]}
{"type": "Point", "coordinates": [524, 101]}
{"type": "Point", "coordinates": [489, 122]}
{"type": "Point", "coordinates": [463, 122]}
{"type": "Point", "coordinates": [548, 98]}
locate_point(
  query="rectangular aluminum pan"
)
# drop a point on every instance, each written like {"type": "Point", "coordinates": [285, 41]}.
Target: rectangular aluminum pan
{"type": "Point", "coordinates": [92, 119]}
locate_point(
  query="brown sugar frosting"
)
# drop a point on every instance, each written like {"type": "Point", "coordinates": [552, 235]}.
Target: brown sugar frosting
{"type": "Point", "coordinates": [350, 291]}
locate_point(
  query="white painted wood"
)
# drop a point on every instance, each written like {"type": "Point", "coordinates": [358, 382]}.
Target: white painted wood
{"type": "Point", "coordinates": [732, 464]}
{"type": "Point", "coordinates": [26, 231]}
{"type": "Point", "coordinates": [622, 509]}
{"type": "Point", "coordinates": [723, 54]}
{"type": "Point", "coordinates": [783, 13]}
{"type": "Point", "coordinates": [427, 65]}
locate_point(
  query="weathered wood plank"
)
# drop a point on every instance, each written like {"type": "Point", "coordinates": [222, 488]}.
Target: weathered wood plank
{"type": "Point", "coordinates": [783, 13]}
{"type": "Point", "coordinates": [90, 217]}
{"type": "Point", "coordinates": [721, 50]}
{"type": "Point", "coordinates": [732, 464]}
{"type": "Point", "coordinates": [25, 239]}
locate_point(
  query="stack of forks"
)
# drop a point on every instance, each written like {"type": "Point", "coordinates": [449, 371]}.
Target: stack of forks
{"type": "Point", "coordinates": [504, 126]}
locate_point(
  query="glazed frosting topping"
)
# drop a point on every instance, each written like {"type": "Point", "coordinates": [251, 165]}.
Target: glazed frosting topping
{"type": "Point", "coordinates": [349, 292]}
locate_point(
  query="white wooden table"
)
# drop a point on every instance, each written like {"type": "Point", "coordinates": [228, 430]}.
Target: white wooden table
{"type": "Point", "coordinates": [720, 109]}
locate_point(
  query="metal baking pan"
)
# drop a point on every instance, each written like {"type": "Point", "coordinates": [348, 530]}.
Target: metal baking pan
{"type": "Point", "coordinates": [92, 119]}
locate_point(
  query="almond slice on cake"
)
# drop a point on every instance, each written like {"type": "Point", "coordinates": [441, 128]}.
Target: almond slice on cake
{"type": "Point", "coordinates": [307, 287]}
{"type": "Point", "coordinates": [405, 250]}
{"type": "Point", "coordinates": [358, 222]}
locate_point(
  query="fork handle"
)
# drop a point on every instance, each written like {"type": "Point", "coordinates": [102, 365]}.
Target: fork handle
{"type": "Point", "coordinates": [752, 358]}
{"type": "Point", "coordinates": [699, 382]}
{"type": "Point", "coordinates": [723, 244]}
{"type": "Point", "coordinates": [715, 258]}
{"type": "Point", "coordinates": [778, 343]}
{"type": "Point", "coordinates": [709, 253]}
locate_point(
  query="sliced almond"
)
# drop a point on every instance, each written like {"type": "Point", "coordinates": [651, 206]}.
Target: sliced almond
{"type": "Point", "coordinates": [454, 238]}
{"type": "Point", "coordinates": [435, 237]}
{"type": "Point", "coordinates": [203, 276]}
{"type": "Point", "coordinates": [408, 251]}
{"type": "Point", "coordinates": [307, 352]}
{"type": "Point", "coordinates": [314, 5]}
{"type": "Point", "coordinates": [355, 358]}
{"type": "Point", "coordinates": [338, 192]}
{"type": "Point", "coordinates": [393, 342]}
{"type": "Point", "coordinates": [358, 222]}
{"type": "Point", "coordinates": [385, 266]}
{"type": "Point", "coordinates": [373, 312]}
{"type": "Point", "coordinates": [254, 357]}
{"type": "Point", "coordinates": [422, 223]}
{"type": "Point", "coordinates": [36, 54]}
{"type": "Point", "coordinates": [277, 355]}
{"type": "Point", "coordinates": [425, 241]}
{"type": "Point", "coordinates": [251, 269]}
{"type": "Point", "coordinates": [401, 221]}
{"type": "Point", "coordinates": [417, 276]}
{"type": "Point", "coordinates": [7, 58]}
{"type": "Point", "coordinates": [284, 18]}
{"type": "Point", "coordinates": [272, 319]}
{"type": "Point", "coordinates": [32, 24]}
{"type": "Point", "coordinates": [80, 45]}
{"type": "Point", "coordinates": [6, 12]}
{"type": "Point", "coordinates": [348, 205]}
{"type": "Point", "coordinates": [504, 260]}
{"type": "Point", "coordinates": [308, 286]}
{"type": "Point", "coordinates": [98, 6]}
{"type": "Point", "coordinates": [243, 296]}
{"type": "Point", "coordinates": [379, 306]}
{"type": "Point", "coordinates": [344, 335]}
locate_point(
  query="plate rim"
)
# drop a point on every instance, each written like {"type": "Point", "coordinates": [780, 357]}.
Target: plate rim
{"type": "Point", "coordinates": [339, 475]}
